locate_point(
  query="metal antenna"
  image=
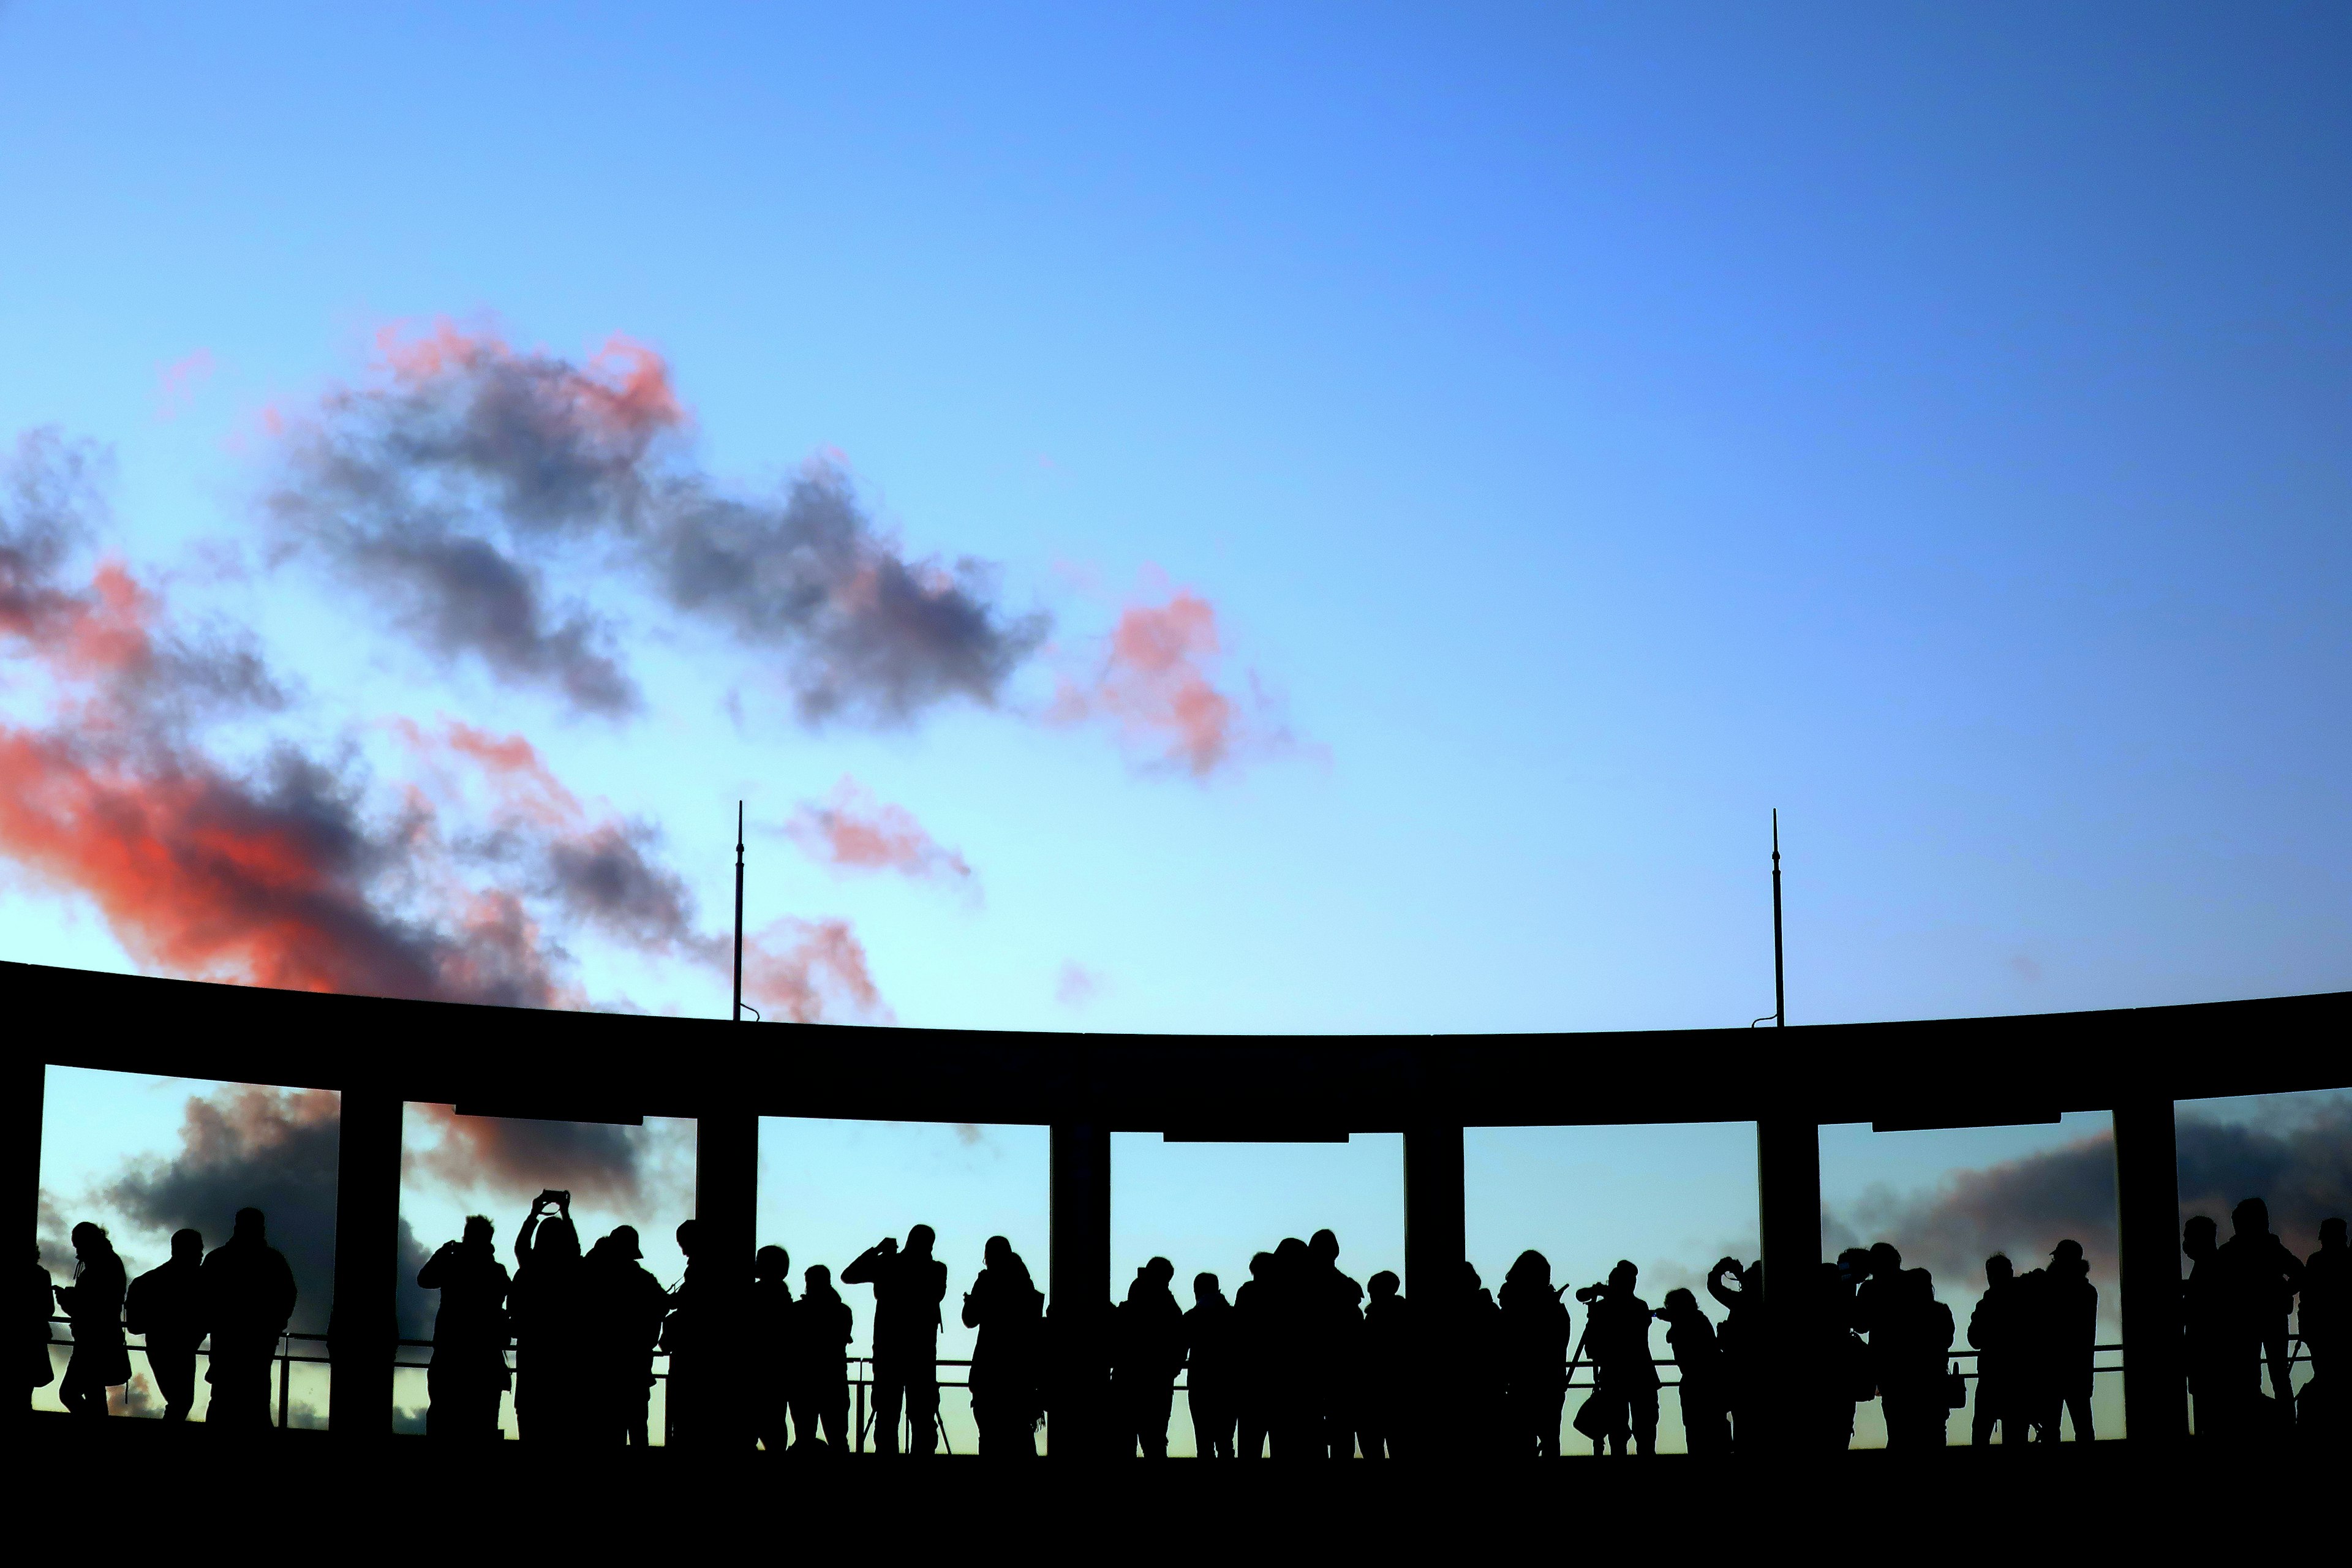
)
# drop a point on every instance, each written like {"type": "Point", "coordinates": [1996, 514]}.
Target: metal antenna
{"type": "Point", "coordinates": [1779, 993]}
{"type": "Point", "coordinates": [737, 1014]}
{"type": "Point", "coordinates": [1780, 1013]}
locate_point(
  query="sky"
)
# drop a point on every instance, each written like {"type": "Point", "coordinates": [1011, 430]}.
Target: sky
{"type": "Point", "coordinates": [1214, 520]}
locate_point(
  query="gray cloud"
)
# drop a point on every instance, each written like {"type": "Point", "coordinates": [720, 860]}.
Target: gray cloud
{"type": "Point", "coordinates": [468, 468]}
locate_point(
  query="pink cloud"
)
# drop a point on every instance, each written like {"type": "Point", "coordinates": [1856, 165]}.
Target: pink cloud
{"type": "Point", "coordinates": [176, 382]}
{"type": "Point", "coordinates": [1077, 985]}
{"type": "Point", "coordinates": [856, 832]}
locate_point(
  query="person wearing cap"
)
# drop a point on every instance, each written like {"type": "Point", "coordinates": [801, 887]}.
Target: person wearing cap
{"type": "Point", "coordinates": [468, 1374]}
{"type": "Point", "coordinates": [625, 1305]}
{"type": "Point", "coordinates": [2066, 1324]}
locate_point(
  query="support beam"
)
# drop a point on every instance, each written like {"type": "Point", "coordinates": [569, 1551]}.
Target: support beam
{"type": "Point", "coordinates": [1078, 1280]}
{"type": "Point", "coordinates": [1434, 1224]}
{"type": "Point", "coordinates": [726, 1225]}
{"type": "Point", "coordinates": [2148, 1232]}
{"type": "Point", "coordinates": [362, 1333]}
{"type": "Point", "coordinates": [1788, 1215]}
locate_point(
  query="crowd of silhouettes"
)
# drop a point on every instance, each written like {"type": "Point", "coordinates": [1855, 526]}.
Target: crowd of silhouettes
{"type": "Point", "coordinates": [1301, 1361]}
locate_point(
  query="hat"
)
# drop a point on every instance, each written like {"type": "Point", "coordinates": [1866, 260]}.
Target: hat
{"type": "Point", "coordinates": [2070, 1250]}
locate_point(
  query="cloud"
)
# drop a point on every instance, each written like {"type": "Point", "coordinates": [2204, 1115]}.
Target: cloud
{"type": "Point", "coordinates": [2298, 1160]}
{"type": "Point", "coordinates": [249, 1146]}
{"type": "Point", "coordinates": [176, 382]}
{"type": "Point", "coordinates": [1077, 985]}
{"type": "Point", "coordinates": [461, 470]}
{"type": "Point", "coordinates": [804, 969]}
{"type": "Point", "coordinates": [1157, 685]}
{"type": "Point", "coordinates": [853, 831]}
{"type": "Point", "coordinates": [598, 1164]}
{"type": "Point", "coordinates": [291, 871]}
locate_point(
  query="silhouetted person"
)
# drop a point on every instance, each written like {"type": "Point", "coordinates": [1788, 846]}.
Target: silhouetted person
{"type": "Point", "coordinates": [820, 1364]}
{"type": "Point", "coordinates": [94, 1302]}
{"type": "Point", "coordinates": [908, 1289]}
{"type": "Point", "coordinates": [1294, 1373]}
{"type": "Point", "coordinates": [1147, 1351]}
{"type": "Point", "coordinates": [468, 1375]}
{"type": "Point", "coordinates": [248, 1295]}
{"type": "Point", "coordinates": [691, 1329]}
{"type": "Point", "coordinates": [167, 1306]}
{"type": "Point", "coordinates": [772, 1347]}
{"type": "Point", "coordinates": [1336, 1319]}
{"type": "Point", "coordinates": [1466, 1359]}
{"type": "Point", "coordinates": [1997, 1328]}
{"type": "Point", "coordinates": [2261, 1277]}
{"type": "Point", "coordinates": [1212, 1352]}
{"type": "Point", "coordinates": [2326, 1318]}
{"type": "Point", "coordinates": [1698, 1368]}
{"type": "Point", "coordinates": [2207, 1336]}
{"type": "Point", "coordinates": [43, 1301]}
{"type": "Point", "coordinates": [625, 1306]}
{"type": "Point", "coordinates": [2065, 1309]}
{"type": "Point", "coordinates": [1740, 1341]}
{"type": "Point", "coordinates": [1254, 1346]}
{"type": "Point", "coordinates": [1388, 1387]}
{"type": "Point", "coordinates": [1625, 1383]}
{"type": "Point", "coordinates": [1912, 1336]}
{"type": "Point", "coordinates": [1008, 1373]}
{"type": "Point", "coordinates": [1839, 1375]}
{"type": "Point", "coordinates": [1535, 1357]}
{"type": "Point", "coordinates": [549, 1310]}
{"type": "Point", "coordinates": [1877, 1286]}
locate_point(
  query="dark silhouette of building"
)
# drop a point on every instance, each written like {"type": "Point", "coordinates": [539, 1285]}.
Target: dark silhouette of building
{"type": "Point", "coordinates": [1147, 1352]}
{"type": "Point", "coordinates": [166, 1305]}
{"type": "Point", "coordinates": [1212, 1352]}
{"type": "Point", "coordinates": [1535, 1331]}
{"type": "Point", "coordinates": [1699, 1372]}
{"type": "Point", "coordinates": [626, 1309]}
{"type": "Point", "coordinates": [908, 1289]}
{"type": "Point", "coordinates": [770, 1351]}
{"type": "Point", "coordinates": [248, 1295]}
{"type": "Point", "coordinates": [547, 1309]}
{"type": "Point", "coordinates": [1998, 1327]}
{"type": "Point", "coordinates": [1740, 1341]}
{"type": "Point", "coordinates": [1624, 1418]}
{"type": "Point", "coordinates": [1008, 1371]}
{"type": "Point", "coordinates": [819, 1376]}
{"type": "Point", "coordinates": [1389, 1388]}
{"type": "Point", "coordinates": [2260, 1278]}
{"type": "Point", "coordinates": [468, 1374]}
{"type": "Point", "coordinates": [94, 1302]}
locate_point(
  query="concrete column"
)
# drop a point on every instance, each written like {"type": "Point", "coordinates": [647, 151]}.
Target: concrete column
{"type": "Point", "coordinates": [2148, 1232]}
{"type": "Point", "coordinates": [361, 1329]}
{"type": "Point", "coordinates": [1433, 1243]}
{"type": "Point", "coordinates": [726, 1224]}
{"type": "Point", "coordinates": [1079, 1286]}
{"type": "Point", "coordinates": [1789, 1216]}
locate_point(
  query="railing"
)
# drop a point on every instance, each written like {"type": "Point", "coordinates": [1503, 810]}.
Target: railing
{"type": "Point", "coordinates": [861, 1369]}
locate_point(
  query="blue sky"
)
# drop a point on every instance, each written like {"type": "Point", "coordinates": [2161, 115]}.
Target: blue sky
{"type": "Point", "coordinates": [1593, 427]}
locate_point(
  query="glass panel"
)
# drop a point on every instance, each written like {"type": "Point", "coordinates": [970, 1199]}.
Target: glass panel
{"type": "Point", "coordinates": [1669, 1199]}
{"type": "Point", "coordinates": [829, 1190]}
{"type": "Point", "coordinates": [145, 1157]}
{"type": "Point", "coordinates": [453, 1166]}
{"type": "Point", "coordinates": [1949, 1200]}
{"type": "Point", "coordinates": [1208, 1207]}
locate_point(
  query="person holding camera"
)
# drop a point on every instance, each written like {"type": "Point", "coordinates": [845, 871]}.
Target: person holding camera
{"type": "Point", "coordinates": [1007, 1371]}
{"type": "Point", "coordinates": [468, 1374]}
{"type": "Point", "coordinates": [1741, 1342]}
{"type": "Point", "coordinates": [1621, 1416]}
{"type": "Point", "coordinates": [908, 1289]}
{"type": "Point", "coordinates": [1699, 1366]}
{"type": "Point", "coordinates": [553, 1360]}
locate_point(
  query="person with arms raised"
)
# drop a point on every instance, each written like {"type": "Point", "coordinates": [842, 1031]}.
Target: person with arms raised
{"type": "Point", "coordinates": [908, 1289]}
{"type": "Point", "coordinates": [468, 1374]}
